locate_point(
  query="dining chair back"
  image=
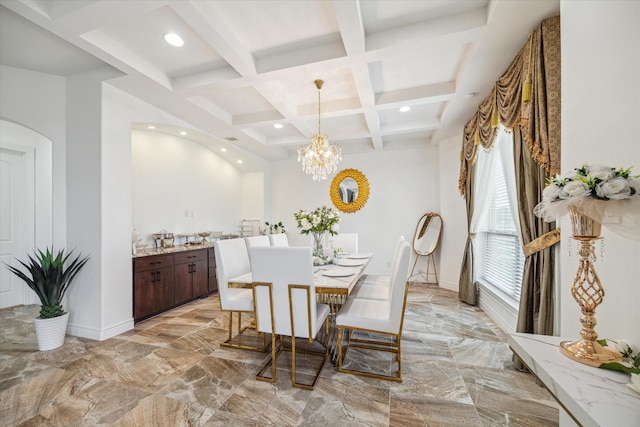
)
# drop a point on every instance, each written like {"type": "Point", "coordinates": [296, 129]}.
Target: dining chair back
{"type": "Point", "coordinates": [279, 239]}
{"type": "Point", "coordinates": [380, 279]}
{"type": "Point", "coordinates": [346, 242]}
{"type": "Point", "coordinates": [232, 260]}
{"type": "Point", "coordinates": [254, 241]}
{"type": "Point", "coordinates": [285, 301]}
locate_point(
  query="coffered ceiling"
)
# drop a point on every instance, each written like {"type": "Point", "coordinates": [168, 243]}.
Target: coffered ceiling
{"type": "Point", "coordinates": [248, 65]}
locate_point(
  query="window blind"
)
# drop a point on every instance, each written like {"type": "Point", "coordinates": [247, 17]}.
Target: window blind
{"type": "Point", "coordinates": [503, 260]}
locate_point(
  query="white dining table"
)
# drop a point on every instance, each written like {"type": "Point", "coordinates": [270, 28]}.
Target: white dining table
{"type": "Point", "coordinates": [335, 279]}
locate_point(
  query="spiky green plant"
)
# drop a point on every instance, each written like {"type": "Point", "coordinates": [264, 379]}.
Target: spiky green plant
{"type": "Point", "coordinates": [49, 278]}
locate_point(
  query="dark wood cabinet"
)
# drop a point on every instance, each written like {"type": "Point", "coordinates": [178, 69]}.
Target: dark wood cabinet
{"type": "Point", "coordinates": [153, 284]}
{"type": "Point", "coordinates": [191, 275]}
{"type": "Point", "coordinates": [161, 282]}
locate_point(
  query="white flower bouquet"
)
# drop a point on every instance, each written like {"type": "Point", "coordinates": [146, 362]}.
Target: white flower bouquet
{"type": "Point", "coordinates": [321, 220]}
{"type": "Point", "coordinates": [607, 195]}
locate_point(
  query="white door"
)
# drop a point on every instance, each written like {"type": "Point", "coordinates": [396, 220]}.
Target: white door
{"type": "Point", "coordinates": [26, 209]}
{"type": "Point", "coordinates": [12, 224]}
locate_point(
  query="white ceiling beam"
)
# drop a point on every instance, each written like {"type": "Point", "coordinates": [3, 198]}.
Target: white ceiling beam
{"type": "Point", "coordinates": [409, 127]}
{"type": "Point", "coordinates": [213, 29]}
{"type": "Point", "coordinates": [418, 95]}
{"type": "Point", "coordinates": [351, 26]}
{"type": "Point", "coordinates": [434, 28]}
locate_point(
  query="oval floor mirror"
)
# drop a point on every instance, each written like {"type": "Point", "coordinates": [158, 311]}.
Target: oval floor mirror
{"type": "Point", "coordinates": [425, 242]}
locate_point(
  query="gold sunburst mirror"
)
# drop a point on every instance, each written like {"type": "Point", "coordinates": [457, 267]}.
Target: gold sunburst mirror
{"type": "Point", "coordinates": [349, 190]}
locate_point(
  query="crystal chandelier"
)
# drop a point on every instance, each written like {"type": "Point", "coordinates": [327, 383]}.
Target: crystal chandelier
{"type": "Point", "coordinates": [319, 158]}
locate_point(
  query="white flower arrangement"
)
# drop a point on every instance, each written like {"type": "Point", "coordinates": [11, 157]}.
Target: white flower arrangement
{"type": "Point", "coordinates": [607, 195]}
{"type": "Point", "coordinates": [630, 360]}
{"type": "Point", "coordinates": [321, 220]}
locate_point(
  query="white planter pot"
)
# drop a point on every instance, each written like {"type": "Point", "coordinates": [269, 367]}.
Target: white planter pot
{"type": "Point", "coordinates": [51, 332]}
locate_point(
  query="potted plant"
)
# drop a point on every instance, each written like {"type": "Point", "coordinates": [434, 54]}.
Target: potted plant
{"type": "Point", "coordinates": [50, 280]}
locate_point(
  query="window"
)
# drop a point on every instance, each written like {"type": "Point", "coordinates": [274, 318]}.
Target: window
{"type": "Point", "coordinates": [502, 260]}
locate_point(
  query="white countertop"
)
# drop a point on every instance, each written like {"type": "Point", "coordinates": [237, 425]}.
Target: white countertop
{"type": "Point", "coordinates": [593, 396]}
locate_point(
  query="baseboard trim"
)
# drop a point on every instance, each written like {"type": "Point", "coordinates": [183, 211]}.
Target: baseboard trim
{"type": "Point", "coordinates": [452, 286]}
{"type": "Point", "coordinates": [100, 334]}
{"type": "Point", "coordinates": [501, 312]}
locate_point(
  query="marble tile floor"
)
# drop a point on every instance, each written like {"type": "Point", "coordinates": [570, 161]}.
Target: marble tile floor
{"type": "Point", "coordinates": [171, 371]}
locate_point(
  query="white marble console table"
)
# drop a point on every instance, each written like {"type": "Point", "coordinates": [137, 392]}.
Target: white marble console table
{"type": "Point", "coordinates": [589, 396]}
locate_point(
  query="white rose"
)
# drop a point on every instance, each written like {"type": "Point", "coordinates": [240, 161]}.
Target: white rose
{"type": "Point", "coordinates": [635, 184]}
{"type": "Point", "coordinates": [551, 192]}
{"type": "Point", "coordinates": [315, 220]}
{"type": "Point", "coordinates": [615, 189]}
{"type": "Point", "coordinates": [574, 189]}
{"type": "Point", "coordinates": [305, 224]}
{"type": "Point", "coordinates": [571, 175]}
{"type": "Point", "coordinates": [601, 172]}
{"type": "Point", "coordinates": [635, 382]}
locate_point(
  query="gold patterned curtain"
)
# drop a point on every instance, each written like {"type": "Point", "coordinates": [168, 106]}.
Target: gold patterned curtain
{"type": "Point", "coordinates": [525, 99]}
{"type": "Point", "coordinates": [527, 95]}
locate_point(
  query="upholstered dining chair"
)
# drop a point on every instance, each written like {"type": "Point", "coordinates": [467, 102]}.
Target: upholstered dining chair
{"type": "Point", "coordinates": [232, 260]}
{"type": "Point", "coordinates": [380, 279]}
{"type": "Point", "coordinates": [285, 305]}
{"type": "Point", "coordinates": [378, 318]}
{"type": "Point", "coordinates": [379, 288]}
{"type": "Point", "coordinates": [279, 239]}
{"type": "Point", "coordinates": [257, 241]}
{"type": "Point", "coordinates": [346, 242]}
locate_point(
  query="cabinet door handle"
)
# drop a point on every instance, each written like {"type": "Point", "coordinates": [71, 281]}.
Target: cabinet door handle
{"type": "Point", "coordinates": [155, 262]}
{"type": "Point", "coordinates": [158, 276]}
{"type": "Point", "coordinates": [153, 276]}
{"type": "Point", "coordinates": [191, 256]}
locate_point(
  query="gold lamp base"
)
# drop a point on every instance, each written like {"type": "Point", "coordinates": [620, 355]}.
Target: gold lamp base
{"type": "Point", "coordinates": [588, 352]}
{"type": "Point", "coordinates": [588, 293]}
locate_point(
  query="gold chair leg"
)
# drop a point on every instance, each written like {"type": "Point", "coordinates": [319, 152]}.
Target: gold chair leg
{"type": "Point", "coordinates": [371, 345]}
{"type": "Point", "coordinates": [227, 343]}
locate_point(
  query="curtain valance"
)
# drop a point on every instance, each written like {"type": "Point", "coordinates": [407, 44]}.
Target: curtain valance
{"type": "Point", "coordinates": [526, 96]}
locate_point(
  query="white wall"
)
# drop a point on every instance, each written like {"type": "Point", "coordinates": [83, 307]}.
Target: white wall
{"type": "Point", "coordinates": [37, 101]}
{"type": "Point", "coordinates": [172, 176]}
{"type": "Point", "coordinates": [453, 212]}
{"type": "Point", "coordinates": [600, 112]}
{"type": "Point", "coordinates": [404, 185]}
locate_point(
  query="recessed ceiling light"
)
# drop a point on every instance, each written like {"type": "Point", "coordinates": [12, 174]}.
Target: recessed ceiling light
{"type": "Point", "coordinates": [151, 127]}
{"type": "Point", "coordinates": [404, 109]}
{"type": "Point", "coordinates": [224, 150]}
{"type": "Point", "coordinates": [183, 133]}
{"type": "Point", "coordinates": [239, 161]}
{"type": "Point", "coordinates": [173, 39]}
{"type": "Point", "coordinates": [277, 125]}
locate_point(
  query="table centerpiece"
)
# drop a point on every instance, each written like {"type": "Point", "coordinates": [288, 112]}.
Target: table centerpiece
{"type": "Point", "coordinates": [592, 195]}
{"type": "Point", "coordinates": [317, 223]}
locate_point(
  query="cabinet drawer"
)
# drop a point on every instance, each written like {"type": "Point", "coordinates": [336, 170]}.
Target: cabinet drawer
{"type": "Point", "coordinates": [152, 262]}
{"type": "Point", "coordinates": [191, 256]}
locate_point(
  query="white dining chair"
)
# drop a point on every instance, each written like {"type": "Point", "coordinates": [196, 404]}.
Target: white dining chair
{"type": "Point", "coordinates": [380, 279]}
{"type": "Point", "coordinates": [381, 290]}
{"type": "Point", "coordinates": [232, 260]}
{"type": "Point", "coordinates": [346, 242]}
{"type": "Point", "coordinates": [254, 241]}
{"type": "Point", "coordinates": [279, 239]}
{"type": "Point", "coordinates": [376, 318]}
{"type": "Point", "coordinates": [285, 304]}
